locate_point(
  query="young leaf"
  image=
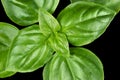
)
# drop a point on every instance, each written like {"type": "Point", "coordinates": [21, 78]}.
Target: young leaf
{"type": "Point", "coordinates": [83, 22]}
{"type": "Point", "coordinates": [112, 4]}
{"type": "Point", "coordinates": [81, 65]}
{"type": "Point", "coordinates": [25, 12]}
{"type": "Point", "coordinates": [47, 23]}
{"type": "Point", "coordinates": [50, 27]}
{"type": "Point", "coordinates": [59, 43]}
{"type": "Point", "coordinates": [7, 35]}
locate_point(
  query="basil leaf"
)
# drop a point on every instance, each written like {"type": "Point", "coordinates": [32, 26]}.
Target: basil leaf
{"type": "Point", "coordinates": [50, 27]}
{"type": "Point", "coordinates": [60, 44]}
{"type": "Point", "coordinates": [112, 4]}
{"type": "Point", "coordinates": [5, 74]}
{"type": "Point", "coordinates": [7, 35]}
{"type": "Point", "coordinates": [25, 12]}
{"type": "Point", "coordinates": [23, 51]}
{"type": "Point", "coordinates": [81, 65]}
{"type": "Point", "coordinates": [47, 23]}
{"type": "Point", "coordinates": [83, 22]}
{"type": "Point", "coordinates": [31, 49]}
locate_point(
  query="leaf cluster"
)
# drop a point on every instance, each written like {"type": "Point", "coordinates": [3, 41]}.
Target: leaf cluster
{"type": "Point", "coordinates": [45, 39]}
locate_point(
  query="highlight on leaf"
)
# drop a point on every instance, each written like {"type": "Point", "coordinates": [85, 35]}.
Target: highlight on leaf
{"type": "Point", "coordinates": [25, 13]}
{"type": "Point", "coordinates": [112, 4]}
{"type": "Point", "coordinates": [87, 24]}
{"type": "Point", "coordinates": [44, 42]}
{"type": "Point", "coordinates": [81, 65]}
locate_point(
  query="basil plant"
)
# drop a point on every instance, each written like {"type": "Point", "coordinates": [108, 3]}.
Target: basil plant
{"type": "Point", "coordinates": [45, 40]}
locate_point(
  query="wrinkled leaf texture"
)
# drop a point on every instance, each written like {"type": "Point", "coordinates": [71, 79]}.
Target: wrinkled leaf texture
{"type": "Point", "coordinates": [23, 50]}
{"type": "Point", "coordinates": [81, 65]}
{"type": "Point", "coordinates": [83, 22]}
{"type": "Point", "coordinates": [25, 12]}
{"type": "Point", "coordinates": [29, 49]}
{"type": "Point", "coordinates": [7, 35]}
{"type": "Point", "coordinates": [112, 4]}
{"type": "Point", "coordinates": [50, 27]}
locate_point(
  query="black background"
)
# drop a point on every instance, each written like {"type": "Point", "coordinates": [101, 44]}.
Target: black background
{"type": "Point", "coordinates": [106, 47]}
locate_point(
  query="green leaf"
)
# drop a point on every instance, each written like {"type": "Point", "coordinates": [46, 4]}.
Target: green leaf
{"type": "Point", "coordinates": [47, 23]}
{"type": "Point", "coordinates": [27, 51]}
{"type": "Point", "coordinates": [5, 74]}
{"type": "Point", "coordinates": [7, 35]}
{"type": "Point", "coordinates": [83, 22]}
{"type": "Point", "coordinates": [31, 49]}
{"type": "Point", "coordinates": [50, 27]}
{"type": "Point", "coordinates": [25, 12]}
{"type": "Point", "coordinates": [112, 4]}
{"type": "Point", "coordinates": [59, 43]}
{"type": "Point", "coordinates": [81, 65]}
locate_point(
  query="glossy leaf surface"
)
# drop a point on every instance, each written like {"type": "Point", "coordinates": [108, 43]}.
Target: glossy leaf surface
{"type": "Point", "coordinates": [50, 27]}
{"type": "Point", "coordinates": [7, 35]}
{"type": "Point", "coordinates": [83, 22]}
{"type": "Point", "coordinates": [60, 44]}
{"type": "Point", "coordinates": [27, 52]}
{"type": "Point", "coordinates": [31, 49]}
{"type": "Point", "coordinates": [81, 65]}
{"type": "Point", "coordinates": [47, 23]}
{"type": "Point", "coordinates": [112, 4]}
{"type": "Point", "coordinates": [25, 12]}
